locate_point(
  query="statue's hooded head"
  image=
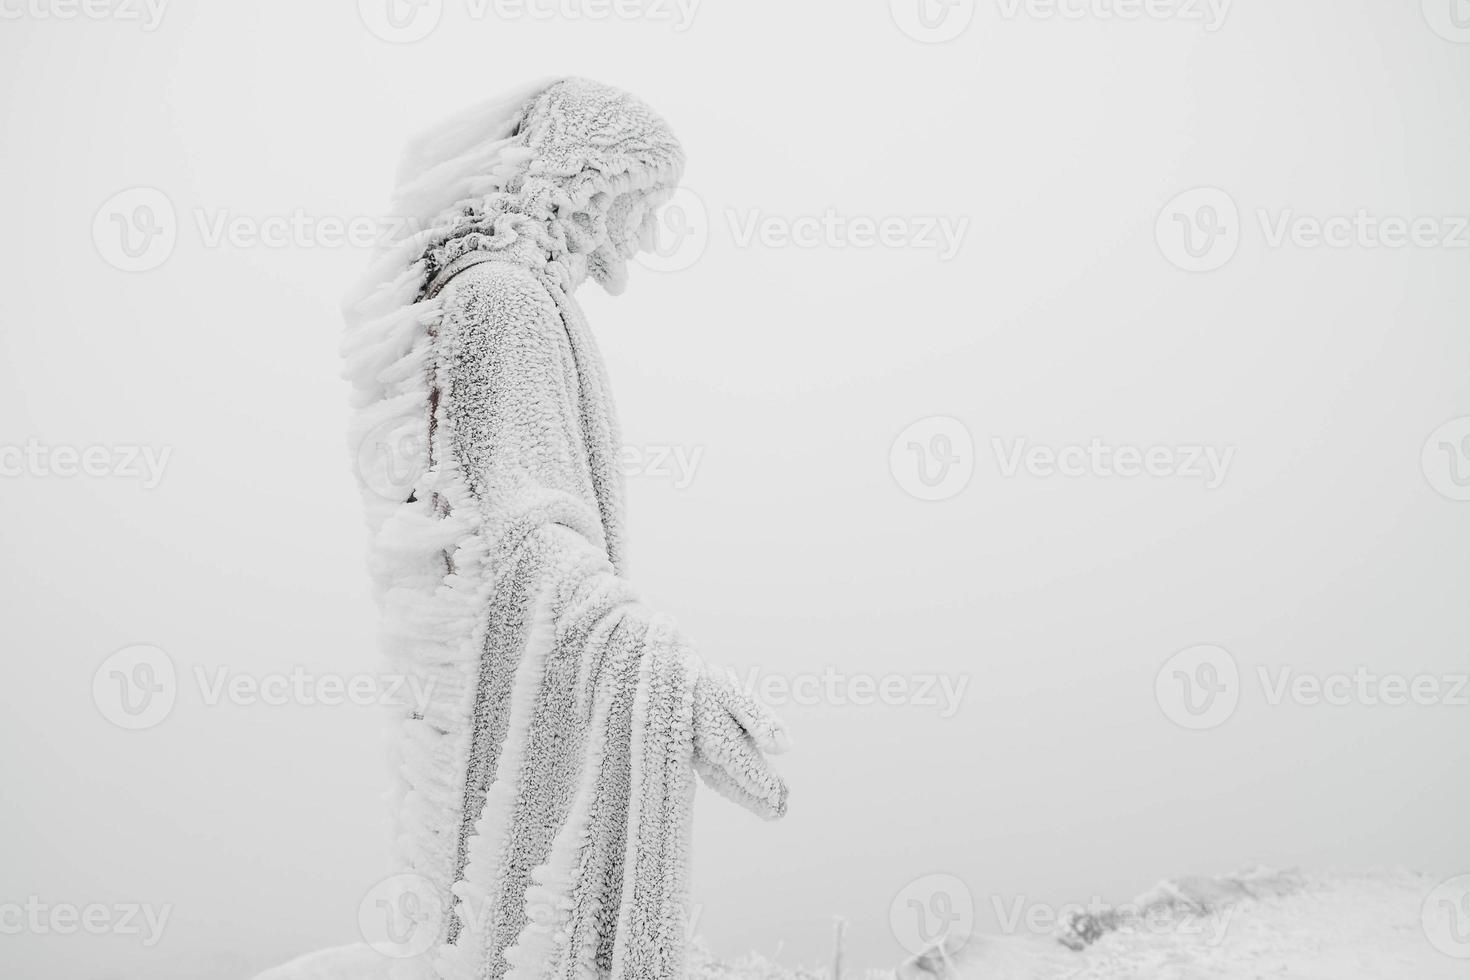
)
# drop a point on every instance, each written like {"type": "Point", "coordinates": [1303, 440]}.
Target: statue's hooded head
{"type": "Point", "coordinates": [567, 172]}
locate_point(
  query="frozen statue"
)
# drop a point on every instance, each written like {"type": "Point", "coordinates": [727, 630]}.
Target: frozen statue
{"type": "Point", "coordinates": [547, 783]}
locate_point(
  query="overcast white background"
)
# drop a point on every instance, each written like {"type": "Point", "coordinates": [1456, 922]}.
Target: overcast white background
{"type": "Point", "coordinates": [1333, 542]}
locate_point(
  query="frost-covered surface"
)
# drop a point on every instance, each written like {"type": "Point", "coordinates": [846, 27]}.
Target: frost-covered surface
{"type": "Point", "coordinates": [544, 806]}
{"type": "Point", "coordinates": [1239, 927]}
{"type": "Point", "coordinates": [1291, 925]}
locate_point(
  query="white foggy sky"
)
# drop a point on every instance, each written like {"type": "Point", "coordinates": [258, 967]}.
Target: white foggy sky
{"type": "Point", "coordinates": [792, 370]}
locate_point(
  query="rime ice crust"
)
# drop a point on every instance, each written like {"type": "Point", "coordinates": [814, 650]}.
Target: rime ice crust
{"type": "Point", "coordinates": [547, 784]}
{"type": "Point", "coordinates": [1303, 925]}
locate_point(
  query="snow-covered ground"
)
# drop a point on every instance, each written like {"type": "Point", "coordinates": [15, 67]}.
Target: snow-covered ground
{"type": "Point", "coordinates": [1393, 926]}
{"type": "Point", "coordinates": [1261, 924]}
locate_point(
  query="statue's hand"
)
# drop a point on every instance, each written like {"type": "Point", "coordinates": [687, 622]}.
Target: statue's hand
{"type": "Point", "coordinates": [733, 732]}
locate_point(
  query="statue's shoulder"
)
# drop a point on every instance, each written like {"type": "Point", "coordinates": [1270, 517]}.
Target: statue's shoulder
{"type": "Point", "coordinates": [492, 297]}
